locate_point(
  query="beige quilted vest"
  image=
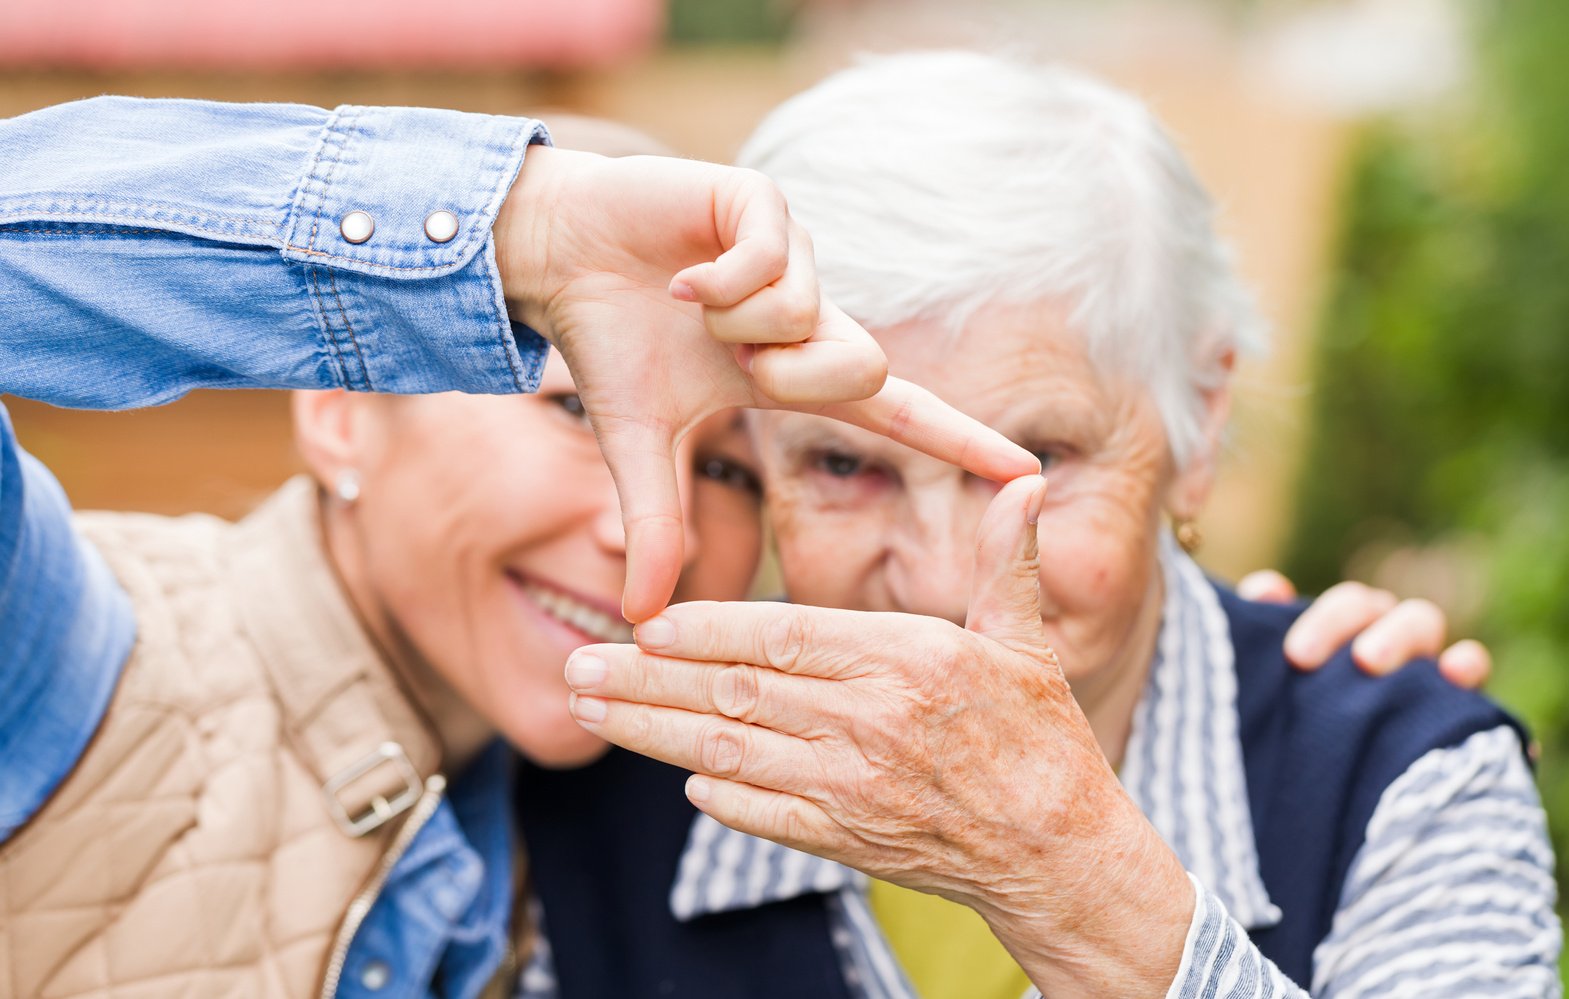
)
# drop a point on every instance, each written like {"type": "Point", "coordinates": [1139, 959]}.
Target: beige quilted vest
{"type": "Point", "coordinates": [258, 773]}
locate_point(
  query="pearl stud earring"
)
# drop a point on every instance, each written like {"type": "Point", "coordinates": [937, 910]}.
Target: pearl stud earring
{"type": "Point", "coordinates": [347, 486]}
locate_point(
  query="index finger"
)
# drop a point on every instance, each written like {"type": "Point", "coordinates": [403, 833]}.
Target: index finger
{"type": "Point", "coordinates": [905, 412]}
{"type": "Point", "coordinates": [810, 641]}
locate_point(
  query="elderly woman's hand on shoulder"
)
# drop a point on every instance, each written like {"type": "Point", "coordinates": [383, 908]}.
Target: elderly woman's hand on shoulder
{"type": "Point", "coordinates": [950, 760]}
{"type": "Point", "coordinates": [1386, 633]}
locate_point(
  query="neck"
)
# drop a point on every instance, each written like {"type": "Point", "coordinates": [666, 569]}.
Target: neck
{"type": "Point", "coordinates": [1110, 696]}
{"type": "Point", "coordinates": [460, 730]}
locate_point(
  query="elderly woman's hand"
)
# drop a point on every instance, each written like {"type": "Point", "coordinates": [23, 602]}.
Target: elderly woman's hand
{"type": "Point", "coordinates": [675, 289]}
{"type": "Point", "coordinates": [1385, 632]}
{"type": "Point", "coordinates": [950, 760]}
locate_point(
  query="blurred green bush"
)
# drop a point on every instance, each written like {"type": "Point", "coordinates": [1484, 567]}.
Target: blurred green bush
{"type": "Point", "coordinates": [1441, 407]}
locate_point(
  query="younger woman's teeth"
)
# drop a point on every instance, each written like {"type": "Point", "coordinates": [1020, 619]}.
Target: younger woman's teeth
{"type": "Point", "coordinates": [591, 621]}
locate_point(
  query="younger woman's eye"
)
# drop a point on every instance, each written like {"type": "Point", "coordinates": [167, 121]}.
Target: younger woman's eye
{"type": "Point", "coordinates": [1048, 457]}
{"type": "Point", "coordinates": [732, 474]}
{"type": "Point", "coordinates": [569, 403]}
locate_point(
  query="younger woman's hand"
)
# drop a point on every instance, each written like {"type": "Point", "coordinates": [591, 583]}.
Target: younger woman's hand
{"type": "Point", "coordinates": [675, 289]}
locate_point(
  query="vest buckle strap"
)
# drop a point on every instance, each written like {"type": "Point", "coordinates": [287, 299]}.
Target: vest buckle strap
{"type": "Point", "coordinates": [378, 787]}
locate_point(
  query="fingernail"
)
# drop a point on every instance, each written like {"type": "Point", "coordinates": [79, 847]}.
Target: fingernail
{"type": "Point", "coordinates": [1032, 513]}
{"type": "Point", "coordinates": [655, 633]}
{"type": "Point", "coordinates": [584, 671]}
{"type": "Point", "coordinates": [588, 709]}
{"type": "Point", "coordinates": [698, 789]}
{"type": "Point", "coordinates": [682, 291]}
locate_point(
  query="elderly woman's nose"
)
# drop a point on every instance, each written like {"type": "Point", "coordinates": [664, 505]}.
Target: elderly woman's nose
{"type": "Point", "coordinates": [932, 556]}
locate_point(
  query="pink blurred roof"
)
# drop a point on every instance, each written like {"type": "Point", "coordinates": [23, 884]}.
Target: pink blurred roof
{"type": "Point", "coordinates": [326, 34]}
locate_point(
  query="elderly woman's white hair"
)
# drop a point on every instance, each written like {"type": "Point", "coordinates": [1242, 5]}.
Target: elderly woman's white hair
{"type": "Point", "coordinates": [936, 183]}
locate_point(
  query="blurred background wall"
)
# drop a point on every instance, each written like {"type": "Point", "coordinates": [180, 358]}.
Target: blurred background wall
{"type": "Point", "coordinates": [1390, 172]}
{"type": "Point", "coordinates": [1257, 119]}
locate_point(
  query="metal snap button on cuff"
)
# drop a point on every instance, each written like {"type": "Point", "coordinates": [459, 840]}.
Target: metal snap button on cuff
{"type": "Point", "coordinates": [441, 226]}
{"type": "Point", "coordinates": [357, 226]}
{"type": "Point", "coordinates": [375, 976]}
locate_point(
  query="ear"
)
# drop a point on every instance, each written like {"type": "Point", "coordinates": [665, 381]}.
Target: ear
{"type": "Point", "coordinates": [1191, 486]}
{"type": "Point", "coordinates": [326, 432]}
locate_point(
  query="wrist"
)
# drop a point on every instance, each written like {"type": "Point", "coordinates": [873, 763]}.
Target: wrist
{"type": "Point", "coordinates": [1115, 926]}
{"type": "Point", "coordinates": [522, 239]}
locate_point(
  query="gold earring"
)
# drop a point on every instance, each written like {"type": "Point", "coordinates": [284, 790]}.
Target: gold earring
{"type": "Point", "coordinates": [1188, 535]}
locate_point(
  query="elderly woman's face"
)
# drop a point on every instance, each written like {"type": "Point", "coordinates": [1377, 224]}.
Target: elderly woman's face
{"type": "Point", "coordinates": [490, 538]}
{"type": "Point", "coordinates": [865, 524]}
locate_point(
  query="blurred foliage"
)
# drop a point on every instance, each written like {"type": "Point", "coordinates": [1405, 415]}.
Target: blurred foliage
{"type": "Point", "coordinates": [708, 22]}
{"type": "Point", "coordinates": [1442, 402]}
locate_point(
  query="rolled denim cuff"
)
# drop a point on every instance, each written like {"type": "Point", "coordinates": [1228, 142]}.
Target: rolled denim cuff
{"type": "Point", "coordinates": [398, 166]}
{"type": "Point", "coordinates": [388, 327]}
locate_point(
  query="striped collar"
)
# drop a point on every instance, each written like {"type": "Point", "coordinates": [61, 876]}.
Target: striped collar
{"type": "Point", "coordinates": [1183, 763]}
{"type": "Point", "coordinates": [1183, 768]}
{"type": "Point", "coordinates": [723, 870]}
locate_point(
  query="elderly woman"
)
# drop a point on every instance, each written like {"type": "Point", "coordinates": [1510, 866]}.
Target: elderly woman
{"type": "Point", "coordinates": [1081, 738]}
{"type": "Point", "coordinates": [269, 757]}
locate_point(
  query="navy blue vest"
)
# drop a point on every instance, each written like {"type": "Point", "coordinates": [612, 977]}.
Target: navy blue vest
{"type": "Point", "coordinates": [1319, 749]}
{"type": "Point", "coordinates": [603, 844]}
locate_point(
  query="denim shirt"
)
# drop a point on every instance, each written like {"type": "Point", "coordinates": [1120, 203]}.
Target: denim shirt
{"type": "Point", "coordinates": [149, 247]}
{"type": "Point", "coordinates": [443, 921]}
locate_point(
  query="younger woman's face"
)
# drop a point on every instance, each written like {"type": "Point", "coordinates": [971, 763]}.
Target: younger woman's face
{"type": "Point", "coordinates": [489, 536]}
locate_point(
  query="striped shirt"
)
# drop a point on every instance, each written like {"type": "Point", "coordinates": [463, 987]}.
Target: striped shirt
{"type": "Point", "coordinates": [1451, 894]}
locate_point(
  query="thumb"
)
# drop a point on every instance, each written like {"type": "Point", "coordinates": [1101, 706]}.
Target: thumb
{"type": "Point", "coordinates": [1005, 595]}
{"type": "Point", "coordinates": [642, 462]}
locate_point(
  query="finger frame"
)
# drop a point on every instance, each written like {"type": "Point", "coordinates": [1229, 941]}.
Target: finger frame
{"type": "Point", "coordinates": [803, 706]}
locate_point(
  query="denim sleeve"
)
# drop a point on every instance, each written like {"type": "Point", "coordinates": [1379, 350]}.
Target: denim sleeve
{"type": "Point", "coordinates": [65, 629]}
{"type": "Point", "coordinates": [149, 247]}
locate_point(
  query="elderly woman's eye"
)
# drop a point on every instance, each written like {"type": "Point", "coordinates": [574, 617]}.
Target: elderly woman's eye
{"type": "Point", "coordinates": [731, 474]}
{"type": "Point", "coordinates": [838, 464]}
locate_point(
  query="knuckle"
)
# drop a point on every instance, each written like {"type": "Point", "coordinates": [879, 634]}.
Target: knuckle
{"type": "Point", "coordinates": [871, 372]}
{"type": "Point", "coordinates": [801, 237]}
{"type": "Point", "coordinates": [789, 822]}
{"type": "Point", "coordinates": [640, 726]}
{"type": "Point", "coordinates": [721, 751]}
{"type": "Point", "coordinates": [785, 640]}
{"type": "Point", "coordinates": [796, 313]}
{"type": "Point", "coordinates": [735, 691]}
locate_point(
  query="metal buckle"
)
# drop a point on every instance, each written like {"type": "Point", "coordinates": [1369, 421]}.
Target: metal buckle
{"type": "Point", "coordinates": [381, 809]}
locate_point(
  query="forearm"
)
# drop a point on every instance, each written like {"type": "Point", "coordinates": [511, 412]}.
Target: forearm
{"type": "Point", "coordinates": [151, 247]}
